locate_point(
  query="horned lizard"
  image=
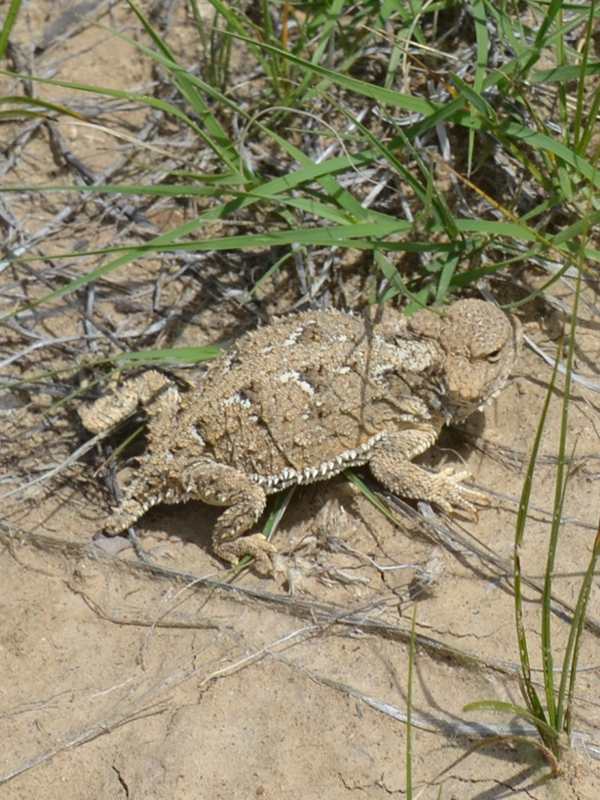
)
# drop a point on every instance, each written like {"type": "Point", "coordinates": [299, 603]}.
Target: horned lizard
{"type": "Point", "coordinates": [303, 398]}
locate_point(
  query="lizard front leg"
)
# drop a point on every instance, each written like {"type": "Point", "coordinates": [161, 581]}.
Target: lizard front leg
{"type": "Point", "coordinates": [391, 465]}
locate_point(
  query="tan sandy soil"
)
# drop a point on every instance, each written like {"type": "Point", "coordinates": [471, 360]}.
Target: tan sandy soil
{"type": "Point", "coordinates": [125, 680]}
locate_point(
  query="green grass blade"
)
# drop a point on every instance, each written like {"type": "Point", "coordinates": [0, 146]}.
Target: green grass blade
{"type": "Point", "coordinates": [569, 73]}
{"type": "Point", "coordinates": [569, 666]}
{"type": "Point", "coordinates": [36, 102]}
{"type": "Point", "coordinates": [578, 125]}
{"type": "Point", "coordinates": [565, 704]}
{"type": "Point", "coordinates": [152, 102]}
{"type": "Point", "coordinates": [514, 710]}
{"type": "Point", "coordinates": [441, 209]}
{"type": "Point", "coordinates": [530, 691]}
{"type": "Point", "coordinates": [546, 632]}
{"type": "Point", "coordinates": [8, 24]}
{"type": "Point", "coordinates": [482, 48]}
{"type": "Point", "coordinates": [236, 28]}
{"type": "Point", "coordinates": [216, 134]}
{"type": "Point", "coordinates": [170, 355]}
{"type": "Point", "coordinates": [378, 93]}
{"type": "Point", "coordinates": [555, 709]}
{"type": "Point", "coordinates": [409, 703]}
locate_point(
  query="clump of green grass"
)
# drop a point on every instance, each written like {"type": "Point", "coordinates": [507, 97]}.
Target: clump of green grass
{"type": "Point", "coordinates": [308, 67]}
{"type": "Point", "coordinates": [552, 712]}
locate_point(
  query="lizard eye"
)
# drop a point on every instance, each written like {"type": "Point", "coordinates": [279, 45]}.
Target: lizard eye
{"type": "Point", "coordinates": [494, 355]}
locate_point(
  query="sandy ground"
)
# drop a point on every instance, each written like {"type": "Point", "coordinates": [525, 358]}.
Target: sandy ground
{"type": "Point", "coordinates": [132, 680]}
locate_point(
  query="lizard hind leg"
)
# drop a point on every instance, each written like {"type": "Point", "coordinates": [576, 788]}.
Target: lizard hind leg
{"type": "Point", "coordinates": [231, 541]}
{"type": "Point", "coordinates": [245, 501]}
{"type": "Point", "coordinates": [152, 390]}
{"type": "Point", "coordinates": [138, 497]}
